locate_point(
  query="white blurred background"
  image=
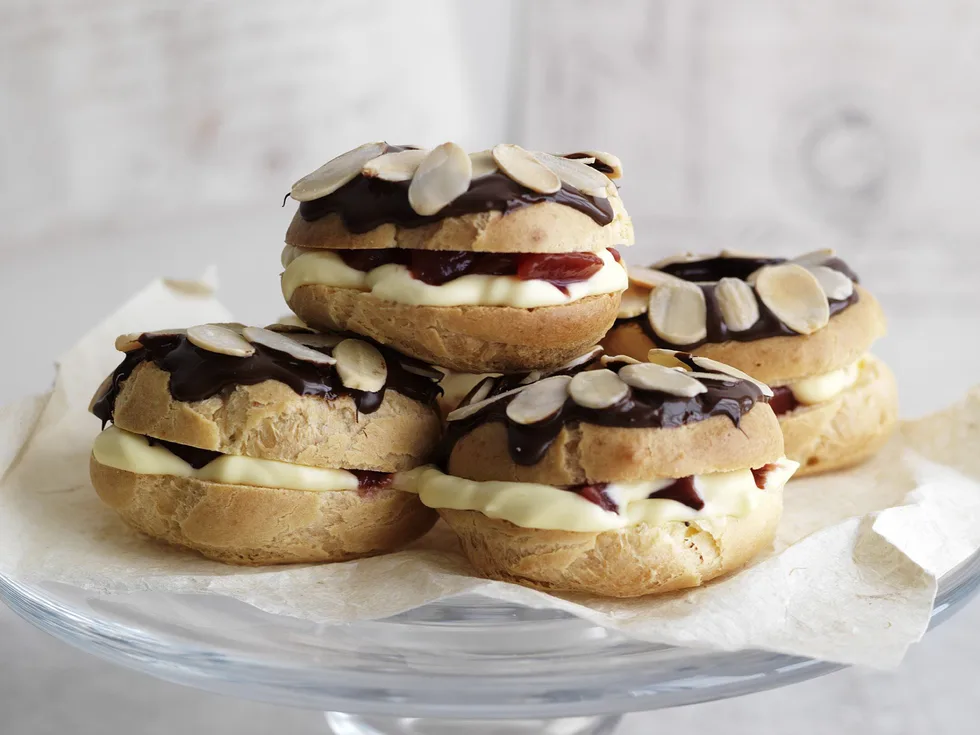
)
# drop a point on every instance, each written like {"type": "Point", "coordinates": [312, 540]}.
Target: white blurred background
{"type": "Point", "coordinates": [150, 138]}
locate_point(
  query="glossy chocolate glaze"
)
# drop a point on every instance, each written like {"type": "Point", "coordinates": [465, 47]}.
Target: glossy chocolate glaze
{"type": "Point", "coordinates": [197, 374]}
{"type": "Point", "coordinates": [641, 409]}
{"type": "Point", "coordinates": [706, 273]}
{"type": "Point", "coordinates": [366, 203]}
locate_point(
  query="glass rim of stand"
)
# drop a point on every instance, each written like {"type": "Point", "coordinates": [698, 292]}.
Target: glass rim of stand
{"type": "Point", "coordinates": [463, 657]}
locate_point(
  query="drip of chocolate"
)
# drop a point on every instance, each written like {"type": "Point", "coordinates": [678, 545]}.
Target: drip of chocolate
{"type": "Point", "coordinates": [783, 400]}
{"type": "Point", "coordinates": [366, 203]}
{"type": "Point", "coordinates": [706, 273]}
{"type": "Point", "coordinates": [197, 374]}
{"type": "Point", "coordinates": [195, 457]}
{"type": "Point", "coordinates": [641, 409]}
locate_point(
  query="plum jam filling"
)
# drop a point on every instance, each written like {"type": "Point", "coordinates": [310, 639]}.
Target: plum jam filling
{"type": "Point", "coordinates": [782, 401]}
{"type": "Point", "coordinates": [369, 481]}
{"type": "Point", "coordinates": [436, 267]}
{"type": "Point", "coordinates": [681, 490]}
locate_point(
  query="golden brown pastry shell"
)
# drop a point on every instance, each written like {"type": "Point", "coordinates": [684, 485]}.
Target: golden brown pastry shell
{"type": "Point", "coordinates": [463, 338]}
{"type": "Point", "coordinates": [589, 453]}
{"type": "Point", "coordinates": [629, 562]}
{"type": "Point", "coordinates": [270, 421]}
{"type": "Point", "coordinates": [243, 524]}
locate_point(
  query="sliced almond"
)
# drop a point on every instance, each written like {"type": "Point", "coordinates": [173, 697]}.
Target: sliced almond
{"type": "Point", "coordinates": [608, 159]}
{"type": "Point", "coordinates": [482, 390]}
{"type": "Point", "coordinates": [835, 284]}
{"type": "Point", "coordinates": [649, 277]}
{"type": "Point", "coordinates": [726, 253]}
{"type": "Point", "coordinates": [360, 365]}
{"type": "Point", "coordinates": [335, 173]}
{"type": "Point", "coordinates": [597, 389]}
{"type": "Point", "coordinates": [815, 257]}
{"type": "Point", "coordinates": [633, 303]}
{"type": "Point", "coordinates": [532, 377]}
{"type": "Point", "coordinates": [287, 344]}
{"type": "Point", "coordinates": [583, 359]}
{"type": "Point", "coordinates": [128, 342]}
{"type": "Point", "coordinates": [706, 363]}
{"type": "Point", "coordinates": [483, 164]}
{"type": "Point", "coordinates": [221, 340]}
{"type": "Point", "coordinates": [737, 304]}
{"type": "Point", "coordinates": [539, 401]}
{"type": "Point", "coordinates": [233, 326]}
{"type": "Point", "coordinates": [794, 295]}
{"type": "Point", "coordinates": [678, 313]}
{"type": "Point", "coordinates": [476, 406]}
{"type": "Point", "coordinates": [618, 360]}
{"type": "Point", "coordinates": [442, 176]}
{"type": "Point", "coordinates": [666, 358]}
{"type": "Point", "coordinates": [424, 371]}
{"type": "Point", "coordinates": [317, 341]}
{"type": "Point", "coordinates": [679, 258]}
{"type": "Point", "coordinates": [521, 166]}
{"type": "Point", "coordinates": [575, 173]}
{"type": "Point", "coordinates": [397, 166]}
{"type": "Point", "coordinates": [647, 376]}
{"type": "Point", "coordinates": [289, 327]}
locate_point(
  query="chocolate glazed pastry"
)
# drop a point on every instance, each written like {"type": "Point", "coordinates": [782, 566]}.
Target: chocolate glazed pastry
{"type": "Point", "coordinates": [803, 326]}
{"type": "Point", "coordinates": [265, 446]}
{"type": "Point", "coordinates": [622, 480]}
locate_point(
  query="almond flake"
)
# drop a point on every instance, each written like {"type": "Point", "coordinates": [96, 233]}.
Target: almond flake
{"type": "Point", "coordinates": [335, 173]}
{"type": "Point", "coordinates": [678, 313]}
{"type": "Point", "coordinates": [483, 164]}
{"type": "Point", "coordinates": [576, 174]}
{"type": "Point", "coordinates": [397, 166]}
{"type": "Point", "coordinates": [666, 358]}
{"type": "Point", "coordinates": [597, 389]}
{"type": "Point", "coordinates": [476, 406]}
{"type": "Point", "coordinates": [607, 159]}
{"type": "Point", "coordinates": [443, 175]}
{"type": "Point", "coordinates": [706, 363]}
{"type": "Point", "coordinates": [737, 304]}
{"type": "Point", "coordinates": [583, 359]}
{"type": "Point", "coordinates": [539, 401]}
{"type": "Point", "coordinates": [360, 365]}
{"type": "Point", "coordinates": [835, 284]}
{"type": "Point", "coordinates": [649, 277]}
{"type": "Point", "coordinates": [286, 343]}
{"type": "Point", "coordinates": [128, 342]}
{"type": "Point", "coordinates": [815, 257]}
{"type": "Point", "coordinates": [794, 295]}
{"type": "Point", "coordinates": [618, 360]}
{"type": "Point", "coordinates": [425, 371]}
{"type": "Point", "coordinates": [648, 376]}
{"type": "Point", "coordinates": [482, 390]}
{"type": "Point", "coordinates": [679, 258]}
{"type": "Point", "coordinates": [220, 340]}
{"type": "Point", "coordinates": [317, 341]}
{"type": "Point", "coordinates": [633, 303]}
{"type": "Point", "coordinates": [521, 166]}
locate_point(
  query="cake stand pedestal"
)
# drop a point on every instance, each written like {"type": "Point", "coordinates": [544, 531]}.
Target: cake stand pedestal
{"type": "Point", "coordinates": [465, 665]}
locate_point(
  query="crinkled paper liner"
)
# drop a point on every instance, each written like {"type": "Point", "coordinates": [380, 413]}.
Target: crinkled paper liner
{"type": "Point", "coordinates": [852, 577]}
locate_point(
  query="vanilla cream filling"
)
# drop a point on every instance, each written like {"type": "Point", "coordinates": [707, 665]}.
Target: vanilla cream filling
{"type": "Point", "coordinates": [394, 282]}
{"type": "Point", "coordinates": [130, 452]}
{"type": "Point", "coordinates": [532, 505]}
{"type": "Point", "coordinates": [820, 388]}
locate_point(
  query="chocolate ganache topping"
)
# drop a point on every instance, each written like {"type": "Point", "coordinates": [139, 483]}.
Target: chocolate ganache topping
{"type": "Point", "coordinates": [197, 374]}
{"type": "Point", "coordinates": [707, 272]}
{"type": "Point", "coordinates": [365, 203]}
{"type": "Point", "coordinates": [725, 395]}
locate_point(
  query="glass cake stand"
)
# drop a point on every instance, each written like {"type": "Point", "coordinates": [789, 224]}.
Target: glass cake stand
{"type": "Point", "coordinates": [467, 664]}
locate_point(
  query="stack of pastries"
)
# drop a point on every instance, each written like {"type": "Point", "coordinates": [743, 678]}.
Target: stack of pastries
{"type": "Point", "coordinates": [653, 465]}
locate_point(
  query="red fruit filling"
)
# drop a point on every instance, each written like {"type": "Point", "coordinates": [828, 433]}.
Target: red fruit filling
{"type": "Point", "coordinates": [369, 481]}
{"type": "Point", "coordinates": [437, 267]}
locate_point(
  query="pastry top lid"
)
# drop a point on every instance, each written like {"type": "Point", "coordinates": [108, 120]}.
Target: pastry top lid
{"type": "Point", "coordinates": [690, 300]}
{"type": "Point", "coordinates": [209, 359]}
{"type": "Point", "coordinates": [405, 187]}
{"type": "Point", "coordinates": [673, 389]}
